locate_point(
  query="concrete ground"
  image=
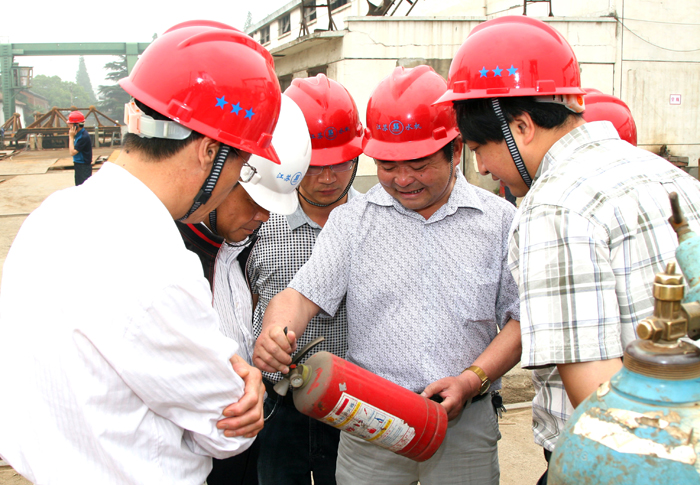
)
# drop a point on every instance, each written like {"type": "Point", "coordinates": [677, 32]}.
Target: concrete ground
{"type": "Point", "coordinates": [27, 178]}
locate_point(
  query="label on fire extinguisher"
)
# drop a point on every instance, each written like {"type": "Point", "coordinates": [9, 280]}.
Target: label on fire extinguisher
{"type": "Point", "coordinates": [369, 423]}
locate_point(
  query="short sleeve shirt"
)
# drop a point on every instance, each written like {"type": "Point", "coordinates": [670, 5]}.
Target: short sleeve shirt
{"type": "Point", "coordinates": [586, 244]}
{"type": "Point", "coordinates": [424, 297]}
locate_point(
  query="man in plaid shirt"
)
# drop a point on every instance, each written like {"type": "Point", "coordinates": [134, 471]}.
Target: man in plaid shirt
{"type": "Point", "coordinates": [592, 229]}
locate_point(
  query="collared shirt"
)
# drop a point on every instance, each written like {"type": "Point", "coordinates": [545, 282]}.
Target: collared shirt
{"type": "Point", "coordinates": [118, 370]}
{"type": "Point", "coordinates": [424, 297]}
{"type": "Point", "coordinates": [284, 245]}
{"type": "Point", "coordinates": [232, 299]}
{"type": "Point", "coordinates": [83, 144]}
{"type": "Point", "coordinates": [586, 244]}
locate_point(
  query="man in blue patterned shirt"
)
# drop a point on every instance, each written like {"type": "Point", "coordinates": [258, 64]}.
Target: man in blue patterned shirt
{"type": "Point", "coordinates": [592, 229]}
{"type": "Point", "coordinates": [421, 260]}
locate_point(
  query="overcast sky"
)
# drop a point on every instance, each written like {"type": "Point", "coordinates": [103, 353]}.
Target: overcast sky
{"type": "Point", "coordinates": [121, 21]}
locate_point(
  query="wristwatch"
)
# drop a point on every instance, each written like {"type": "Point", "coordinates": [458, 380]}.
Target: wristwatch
{"type": "Point", "coordinates": [485, 381]}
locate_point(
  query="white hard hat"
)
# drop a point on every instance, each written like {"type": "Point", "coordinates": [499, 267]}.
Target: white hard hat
{"type": "Point", "coordinates": [274, 186]}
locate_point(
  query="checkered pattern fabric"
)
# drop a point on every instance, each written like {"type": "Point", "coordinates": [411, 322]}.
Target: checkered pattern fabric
{"type": "Point", "coordinates": [585, 246]}
{"type": "Point", "coordinates": [276, 257]}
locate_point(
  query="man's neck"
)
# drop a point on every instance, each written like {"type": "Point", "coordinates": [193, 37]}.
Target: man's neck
{"type": "Point", "coordinates": [165, 178]}
{"type": "Point", "coordinates": [320, 214]}
{"type": "Point", "coordinates": [547, 138]}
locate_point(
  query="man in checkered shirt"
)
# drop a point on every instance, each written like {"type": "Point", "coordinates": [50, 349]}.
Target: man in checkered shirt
{"type": "Point", "coordinates": [295, 445]}
{"type": "Point", "coordinates": [592, 229]}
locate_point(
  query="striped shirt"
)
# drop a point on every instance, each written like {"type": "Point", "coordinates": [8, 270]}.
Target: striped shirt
{"type": "Point", "coordinates": [585, 246]}
{"type": "Point", "coordinates": [232, 299]}
{"type": "Point", "coordinates": [117, 368]}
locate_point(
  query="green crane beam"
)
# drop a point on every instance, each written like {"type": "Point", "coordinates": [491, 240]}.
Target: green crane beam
{"type": "Point", "coordinates": [7, 52]}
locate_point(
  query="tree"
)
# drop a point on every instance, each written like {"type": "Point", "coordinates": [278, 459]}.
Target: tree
{"type": "Point", "coordinates": [82, 78]}
{"type": "Point", "coordinates": [62, 94]}
{"type": "Point", "coordinates": [248, 21]}
{"type": "Point", "coordinates": [112, 96]}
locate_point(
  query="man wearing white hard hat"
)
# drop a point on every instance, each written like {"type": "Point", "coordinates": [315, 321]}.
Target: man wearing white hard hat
{"type": "Point", "coordinates": [223, 244]}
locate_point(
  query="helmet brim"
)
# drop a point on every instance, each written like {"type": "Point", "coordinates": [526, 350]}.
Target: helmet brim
{"type": "Point", "coordinates": [408, 150]}
{"type": "Point", "coordinates": [272, 201]}
{"type": "Point", "coordinates": [321, 157]}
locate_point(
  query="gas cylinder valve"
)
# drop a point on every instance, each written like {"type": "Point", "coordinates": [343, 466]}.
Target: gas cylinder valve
{"type": "Point", "coordinates": [669, 321]}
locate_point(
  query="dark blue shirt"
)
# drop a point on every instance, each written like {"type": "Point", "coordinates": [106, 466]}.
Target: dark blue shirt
{"type": "Point", "coordinates": [83, 144]}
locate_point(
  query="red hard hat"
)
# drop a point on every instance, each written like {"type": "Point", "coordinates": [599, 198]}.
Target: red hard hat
{"type": "Point", "coordinates": [213, 79]}
{"type": "Point", "coordinates": [513, 56]}
{"type": "Point", "coordinates": [76, 117]}
{"type": "Point", "coordinates": [402, 124]}
{"type": "Point", "coordinates": [604, 107]}
{"type": "Point", "coordinates": [332, 117]}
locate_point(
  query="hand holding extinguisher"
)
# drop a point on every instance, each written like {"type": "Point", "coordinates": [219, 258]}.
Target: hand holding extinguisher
{"type": "Point", "coordinates": [455, 391]}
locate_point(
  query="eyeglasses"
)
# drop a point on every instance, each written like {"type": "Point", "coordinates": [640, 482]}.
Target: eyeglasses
{"type": "Point", "coordinates": [247, 173]}
{"type": "Point", "coordinates": [341, 167]}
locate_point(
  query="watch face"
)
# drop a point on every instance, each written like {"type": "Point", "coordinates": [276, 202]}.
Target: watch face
{"type": "Point", "coordinates": [485, 386]}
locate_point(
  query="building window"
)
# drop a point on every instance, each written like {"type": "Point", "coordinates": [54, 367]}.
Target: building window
{"type": "Point", "coordinates": [317, 70]}
{"type": "Point", "coordinates": [265, 34]}
{"type": "Point", "coordinates": [310, 12]}
{"type": "Point", "coordinates": [285, 24]}
{"type": "Point", "coordinates": [285, 81]}
{"type": "Point", "coordinates": [338, 3]}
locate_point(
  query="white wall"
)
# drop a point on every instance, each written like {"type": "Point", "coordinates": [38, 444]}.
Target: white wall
{"type": "Point", "coordinates": [642, 51]}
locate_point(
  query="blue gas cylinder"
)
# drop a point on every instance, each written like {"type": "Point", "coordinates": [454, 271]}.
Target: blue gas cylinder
{"type": "Point", "coordinates": [643, 426]}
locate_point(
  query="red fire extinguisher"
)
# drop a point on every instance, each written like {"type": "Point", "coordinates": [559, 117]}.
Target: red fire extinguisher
{"type": "Point", "coordinates": [352, 399]}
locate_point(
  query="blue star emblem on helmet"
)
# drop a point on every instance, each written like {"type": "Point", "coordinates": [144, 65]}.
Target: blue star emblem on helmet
{"type": "Point", "coordinates": [484, 72]}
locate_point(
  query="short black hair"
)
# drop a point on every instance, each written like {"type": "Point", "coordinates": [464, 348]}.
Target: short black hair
{"type": "Point", "coordinates": [478, 122]}
{"type": "Point", "coordinates": [156, 149]}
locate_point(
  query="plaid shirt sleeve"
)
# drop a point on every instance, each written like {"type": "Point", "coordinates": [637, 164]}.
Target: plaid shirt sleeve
{"type": "Point", "coordinates": [567, 287]}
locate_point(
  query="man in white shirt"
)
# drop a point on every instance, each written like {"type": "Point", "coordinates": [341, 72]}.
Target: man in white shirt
{"type": "Point", "coordinates": [120, 372]}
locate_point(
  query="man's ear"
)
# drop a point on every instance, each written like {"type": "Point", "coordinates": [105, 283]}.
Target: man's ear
{"type": "Point", "coordinates": [523, 128]}
{"type": "Point", "coordinates": [458, 146]}
{"type": "Point", "coordinates": [206, 152]}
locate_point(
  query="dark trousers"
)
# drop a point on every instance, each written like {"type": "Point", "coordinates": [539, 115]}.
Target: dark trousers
{"type": "Point", "coordinates": [293, 446]}
{"type": "Point", "coordinates": [82, 172]}
{"type": "Point", "coordinates": [543, 478]}
{"type": "Point", "coordinates": [241, 469]}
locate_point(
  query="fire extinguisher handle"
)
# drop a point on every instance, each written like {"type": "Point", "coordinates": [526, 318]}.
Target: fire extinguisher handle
{"type": "Point", "coordinates": [307, 348]}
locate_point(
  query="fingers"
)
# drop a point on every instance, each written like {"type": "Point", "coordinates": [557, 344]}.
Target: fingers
{"type": "Point", "coordinates": [252, 378]}
{"type": "Point", "coordinates": [273, 349]}
{"type": "Point", "coordinates": [245, 417]}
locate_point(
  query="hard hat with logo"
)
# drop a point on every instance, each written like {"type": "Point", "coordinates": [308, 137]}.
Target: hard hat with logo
{"type": "Point", "coordinates": [76, 117]}
{"type": "Point", "coordinates": [332, 118]}
{"type": "Point", "coordinates": [513, 56]}
{"type": "Point", "coordinates": [274, 186]}
{"type": "Point", "coordinates": [604, 107]}
{"type": "Point", "coordinates": [210, 78]}
{"type": "Point", "coordinates": [402, 123]}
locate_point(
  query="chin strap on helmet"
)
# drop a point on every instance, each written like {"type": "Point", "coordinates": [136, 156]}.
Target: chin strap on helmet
{"type": "Point", "coordinates": [208, 187]}
{"type": "Point", "coordinates": [212, 222]}
{"type": "Point", "coordinates": [345, 192]}
{"type": "Point", "coordinates": [512, 147]}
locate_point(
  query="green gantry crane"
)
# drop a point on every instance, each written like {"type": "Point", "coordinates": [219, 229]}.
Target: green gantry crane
{"type": "Point", "coordinates": [15, 78]}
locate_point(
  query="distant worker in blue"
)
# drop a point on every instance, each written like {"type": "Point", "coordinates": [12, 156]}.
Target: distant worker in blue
{"type": "Point", "coordinates": [80, 146]}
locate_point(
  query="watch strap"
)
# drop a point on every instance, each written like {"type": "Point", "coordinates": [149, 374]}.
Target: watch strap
{"type": "Point", "coordinates": [485, 381]}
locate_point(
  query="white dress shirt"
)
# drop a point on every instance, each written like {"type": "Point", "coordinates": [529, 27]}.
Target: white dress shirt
{"type": "Point", "coordinates": [111, 348]}
{"type": "Point", "coordinates": [232, 299]}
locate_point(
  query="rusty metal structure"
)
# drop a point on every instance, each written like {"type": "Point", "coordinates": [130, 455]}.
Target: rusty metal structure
{"type": "Point", "coordinates": [53, 128]}
{"type": "Point", "coordinates": [12, 125]}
